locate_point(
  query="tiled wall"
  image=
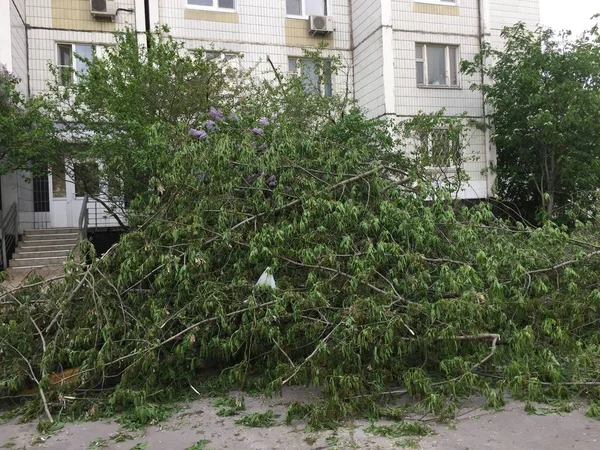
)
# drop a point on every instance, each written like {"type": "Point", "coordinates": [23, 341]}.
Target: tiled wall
{"type": "Point", "coordinates": [18, 42]}
{"type": "Point", "coordinates": [68, 21]}
{"type": "Point", "coordinates": [259, 30]}
{"type": "Point", "coordinates": [362, 37]}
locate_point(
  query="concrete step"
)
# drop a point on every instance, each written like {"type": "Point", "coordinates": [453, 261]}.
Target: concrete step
{"type": "Point", "coordinates": [30, 270]}
{"type": "Point", "coordinates": [50, 236]}
{"type": "Point", "coordinates": [46, 242]}
{"type": "Point", "coordinates": [21, 253]}
{"type": "Point", "coordinates": [51, 231]}
{"type": "Point", "coordinates": [27, 247]}
{"type": "Point", "coordinates": [39, 262]}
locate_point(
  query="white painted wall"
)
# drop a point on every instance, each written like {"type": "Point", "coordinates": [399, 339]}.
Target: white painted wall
{"type": "Point", "coordinates": [18, 40]}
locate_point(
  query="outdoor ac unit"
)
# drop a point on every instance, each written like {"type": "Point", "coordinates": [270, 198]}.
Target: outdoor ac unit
{"type": "Point", "coordinates": [321, 24]}
{"type": "Point", "coordinates": [103, 8]}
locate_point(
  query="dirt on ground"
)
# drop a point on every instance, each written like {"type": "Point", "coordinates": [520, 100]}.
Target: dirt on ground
{"type": "Point", "coordinates": [197, 426]}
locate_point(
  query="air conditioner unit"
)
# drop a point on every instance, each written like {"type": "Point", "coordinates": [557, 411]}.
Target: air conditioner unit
{"type": "Point", "coordinates": [103, 8]}
{"type": "Point", "coordinates": [321, 24]}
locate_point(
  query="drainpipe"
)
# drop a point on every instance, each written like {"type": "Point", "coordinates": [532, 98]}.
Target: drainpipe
{"type": "Point", "coordinates": [351, 10]}
{"type": "Point", "coordinates": [489, 156]}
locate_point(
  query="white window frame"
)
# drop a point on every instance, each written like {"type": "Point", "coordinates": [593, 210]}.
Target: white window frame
{"type": "Point", "coordinates": [298, 73]}
{"type": "Point", "coordinates": [429, 144]}
{"type": "Point", "coordinates": [96, 48]}
{"type": "Point", "coordinates": [215, 7]}
{"type": "Point", "coordinates": [439, 2]}
{"type": "Point", "coordinates": [424, 59]}
{"type": "Point", "coordinates": [227, 58]}
{"type": "Point", "coordinates": [327, 4]}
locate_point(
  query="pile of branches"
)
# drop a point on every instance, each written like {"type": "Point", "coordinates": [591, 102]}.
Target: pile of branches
{"type": "Point", "coordinates": [383, 286]}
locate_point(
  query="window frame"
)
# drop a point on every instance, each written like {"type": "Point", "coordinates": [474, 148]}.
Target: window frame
{"type": "Point", "coordinates": [427, 141]}
{"type": "Point", "coordinates": [439, 2]}
{"type": "Point", "coordinates": [213, 8]}
{"type": "Point", "coordinates": [327, 7]}
{"type": "Point", "coordinates": [75, 73]}
{"type": "Point", "coordinates": [447, 66]}
{"type": "Point", "coordinates": [298, 73]}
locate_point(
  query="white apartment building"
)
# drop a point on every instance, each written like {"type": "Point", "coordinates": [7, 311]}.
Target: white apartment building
{"type": "Point", "coordinates": [402, 57]}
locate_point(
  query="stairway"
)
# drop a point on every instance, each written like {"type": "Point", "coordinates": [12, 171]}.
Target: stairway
{"type": "Point", "coordinates": [44, 248]}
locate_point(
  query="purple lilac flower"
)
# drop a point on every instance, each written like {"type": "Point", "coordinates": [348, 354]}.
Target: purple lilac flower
{"type": "Point", "coordinates": [258, 131]}
{"type": "Point", "coordinates": [264, 121]}
{"type": "Point", "coordinates": [210, 125]}
{"type": "Point", "coordinates": [215, 114]}
{"type": "Point", "coordinates": [200, 134]}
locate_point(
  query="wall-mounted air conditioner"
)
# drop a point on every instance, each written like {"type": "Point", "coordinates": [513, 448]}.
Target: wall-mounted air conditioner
{"type": "Point", "coordinates": [321, 24]}
{"type": "Point", "coordinates": [103, 8]}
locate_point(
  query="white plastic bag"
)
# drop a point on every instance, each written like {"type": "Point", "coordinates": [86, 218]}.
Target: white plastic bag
{"type": "Point", "coordinates": [266, 279]}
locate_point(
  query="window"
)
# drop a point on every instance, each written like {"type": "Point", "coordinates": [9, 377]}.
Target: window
{"type": "Point", "coordinates": [316, 75]}
{"type": "Point", "coordinates": [59, 183]}
{"type": "Point", "coordinates": [87, 178]}
{"type": "Point", "coordinates": [437, 65]}
{"type": "Point", "coordinates": [223, 56]}
{"type": "Point", "coordinates": [440, 148]}
{"type": "Point", "coordinates": [306, 7]}
{"type": "Point", "coordinates": [68, 65]}
{"type": "Point", "coordinates": [213, 4]}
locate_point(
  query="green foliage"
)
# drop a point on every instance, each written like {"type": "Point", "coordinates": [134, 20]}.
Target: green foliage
{"type": "Point", "coordinates": [145, 414]}
{"type": "Point", "coordinates": [122, 437]}
{"type": "Point", "coordinates": [400, 429]}
{"type": "Point", "coordinates": [229, 406]}
{"type": "Point", "coordinates": [258, 420]}
{"type": "Point", "coordinates": [200, 445]}
{"type": "Point", "coordinates": [332, 440]}
{"type": "Point", "coordinates": [544, 94]}
{"type": "Point", "coordinates": [383, 281]}
{"type": "Point", "coordinates": [47, 427]}
{"type": "Point", "coordinates": [593, 410]}
{"type": "Point", "coordinates": [408, 443]}
{"type": "Point", "coordinates": [98, 443]}
{"type": "Point", "coordinates": [140, 446]}
{"type": "Point", "coordinates": [26, 129]}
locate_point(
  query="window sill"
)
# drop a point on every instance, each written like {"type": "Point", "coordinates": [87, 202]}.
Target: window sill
{"type": "Point", "coordinates": [437, 2]}
{"type": "Point", "coordinates": [210, 9]}
{"type": "Point", "coordinates": [438, 86]}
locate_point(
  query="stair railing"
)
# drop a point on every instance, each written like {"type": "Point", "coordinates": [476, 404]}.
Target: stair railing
{"type": "Point", "coordinates": [9, 233]}
{"type": "Point", "coordinates": [84, 219]}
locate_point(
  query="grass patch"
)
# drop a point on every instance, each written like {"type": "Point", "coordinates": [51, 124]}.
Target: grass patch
{"type": "Point", "coordinates": [258, 420]}
{"type": "Point", "coordinates": [400, 429]}
{"type": "Point", "coordinates": [9, 445]}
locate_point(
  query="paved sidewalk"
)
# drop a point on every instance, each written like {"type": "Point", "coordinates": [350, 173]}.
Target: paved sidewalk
{"type": "Point", "coordinates": [477, 429]}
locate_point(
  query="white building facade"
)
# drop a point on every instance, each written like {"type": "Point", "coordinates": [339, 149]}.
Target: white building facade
{"type": "Point", "coordinates": [401, 57]}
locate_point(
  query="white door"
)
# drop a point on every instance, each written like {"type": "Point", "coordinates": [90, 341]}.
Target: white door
{"type": "Point", "coordinates": [65, 205]}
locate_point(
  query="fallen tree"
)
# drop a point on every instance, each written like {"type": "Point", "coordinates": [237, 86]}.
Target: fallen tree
{"type": "Point", "coordinates": [383, 283]}
{"type": "Point", "coordinates": [381, 286]}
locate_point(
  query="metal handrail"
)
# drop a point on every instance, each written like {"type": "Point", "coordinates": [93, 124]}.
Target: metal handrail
{"type": "Point", "coordinates": [84, 219]}
{"type": "Point", "coordinates": [9, 231]}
